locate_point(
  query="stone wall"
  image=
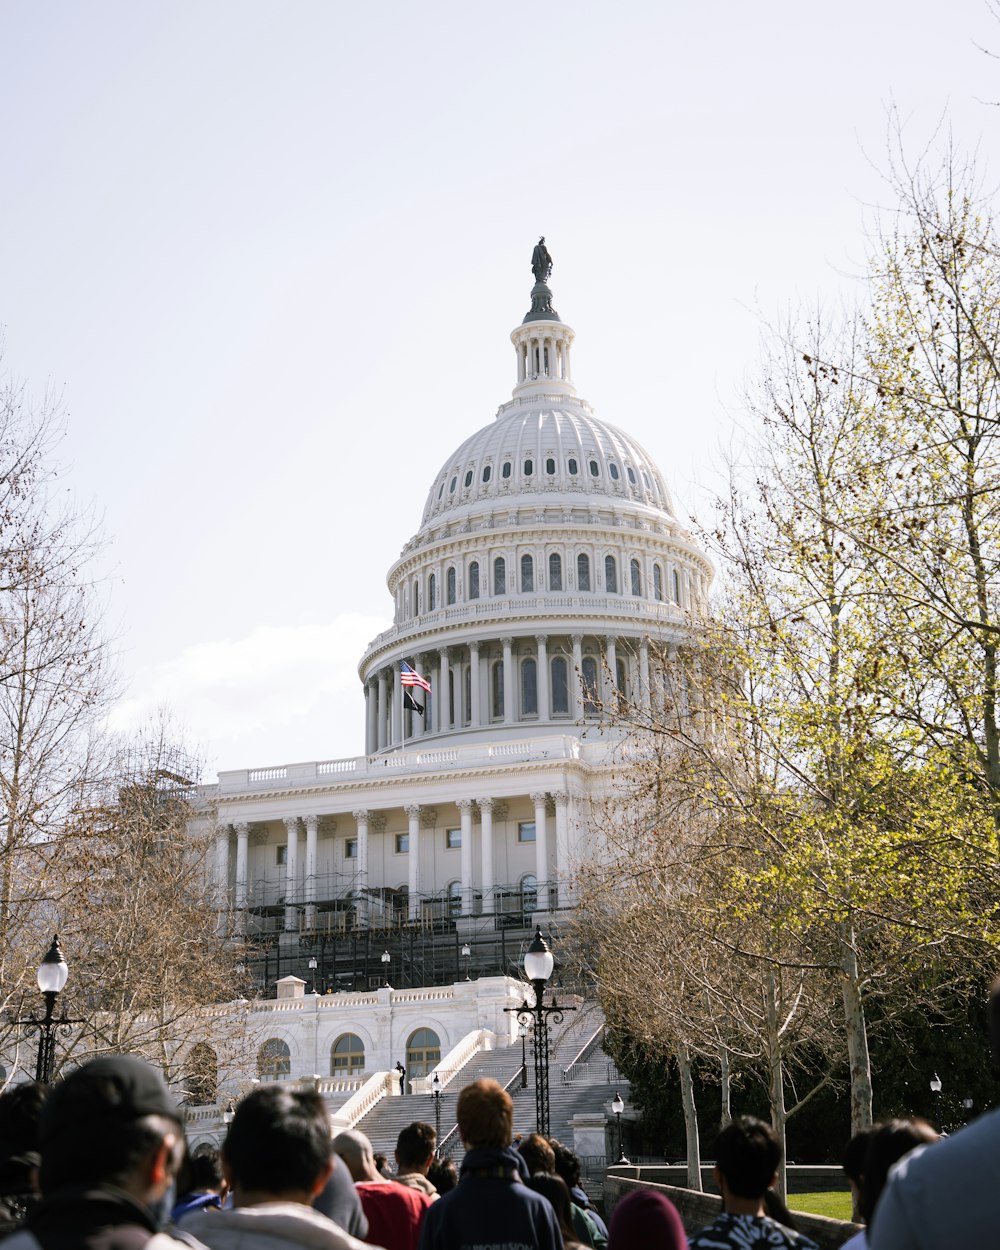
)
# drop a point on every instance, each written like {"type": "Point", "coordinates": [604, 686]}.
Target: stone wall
{"type": "Point", "coordinates": [697, 1210]}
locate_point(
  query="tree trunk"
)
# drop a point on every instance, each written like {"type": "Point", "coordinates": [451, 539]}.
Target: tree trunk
{"type": "Point", "coordinates": [777, 1077]}
{"type": "Point", "coordinates": [725, 1088]}
{"type": "Point", "coordinates": [690, 1119]}
{"type": "Point", "coordinates": [857, 1036]}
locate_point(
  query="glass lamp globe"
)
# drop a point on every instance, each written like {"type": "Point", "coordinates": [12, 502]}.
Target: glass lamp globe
{"type": "Point", "coordinates": [53, 970]}
{"type": "Point", "coordinates": [538, 959]}
{"type": "Point", "coordinates": [436, 1084]}
{"type": "Point", "coordinates": [618, 1106]}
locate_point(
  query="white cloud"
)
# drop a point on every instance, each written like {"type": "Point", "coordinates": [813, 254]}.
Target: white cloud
{"type": "Point", "coordinates": [280, 694]}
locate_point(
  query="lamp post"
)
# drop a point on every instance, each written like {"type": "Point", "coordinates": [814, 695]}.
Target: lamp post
{"type": "Point", "coordinates": [967, 1105]}
{"type": "Point", "coordinates": [936, 1091]}
{"type": "Point", "coordinates": [312, 968]}
{"type": "Point", "coordinates": [467, 956]}
{"type": "Point", "coordinates": [522, 1032]}
{"type": "Point", "coordinates": [618, 1106]}
{"type": "Point", "coordinates": [386, 961]}
{"type": "Point", "coordinates": [436, 1087]}
{"type": "Point", "coordinates": [538, 965]}
{"type": "Point", "coordinates": [52, 975]}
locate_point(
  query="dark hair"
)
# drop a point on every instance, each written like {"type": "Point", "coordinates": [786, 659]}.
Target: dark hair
{"type": "Point", "coordinates": [414, 1144]}
{"type": "Point", "coordinates": [201, 1170]}
{"type": "Point", "coordinates": [538, 1155]}
{"type": "Point", "coordinates": [888, 1143]}
{"type": "Point", "coordinates": [555, 1189]}
{"type": "Point", "coordinates": [443, 1175]}
{"type": "Point", "coordinates": [854, 1155]}
{"type": "Point", "coordinates": [567, 1163]}
{"type": "Point", "coordinates": [20, 1108]}
{"type": "Point", "coordinates": [279, 1140]}
{"type": "Point", "coordinates": [485, 1115]}
{"type": "Point", "coordinates": [95, 1151]}
{"type": "Point", "coordinates": [747, 1153]}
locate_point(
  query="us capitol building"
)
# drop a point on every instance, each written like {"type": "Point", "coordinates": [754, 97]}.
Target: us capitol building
{"type": "Point", "coordinates": [391, 895]}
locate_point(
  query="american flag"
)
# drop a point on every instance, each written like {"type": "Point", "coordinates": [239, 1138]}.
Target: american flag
{"type": "Point", "coordinates": [410, 677]}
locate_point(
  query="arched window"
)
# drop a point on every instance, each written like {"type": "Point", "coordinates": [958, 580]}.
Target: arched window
{"type": "Point", "coordinates": [451, 696]}
{"type": "Point", "coordinates": [610, 575]}
{"type": "Point", "coordinates": [499, 576]}
{"type": "Point", "coordinates": [550, 466]}
{"type": "Point", "coordinates": [636, 578]}
{"type": "Point", "coordinates": [529, 687]}
{"type": "Point", "coordinates": [202, 1080]}
{"type": "Point", "coordinates": [347, 1055]}
{"type": "Point", "coordinates": [529, 892]}
{"type": "Point", "coordinates": [588, 672]}
{"type": "Point", "coordinates": [468, 479]}
{"type": "Point", "coordinates": [560, 686]}
{"type": "Point", "coordinates": [677, 587]}
{"type": "Point", "coordinates": [474, 580]}
{"type": "Point", "coordinates": [529, 468]}
{"type": "Point", "coordinates": [573, 467]}
{"type": "Point", "coordinates": [613, 470]}
{"type": "Point", "coordinates": [487, 472]}
{"type": "Point", "coordinates": [555, 571]}
{"type": "Point", "coordinates": [451, 488]}
{"type": "Point", "coordinates": [496, 692]}
{"type": "Point", "coordinates": [631, 475]}
{"type": "Point", "coordinates": [657, 583]}
{"type": "Point", "coordinates": [467, 685]}
{"type": "Point", "coordinates": [527, 574]}
{"type": "Point", "coordinates": [505, 472]}
{"type": "Point", "coordinates": [451, 582]}
{"type": "Point", "coordinates": [416, 597]}
{"type": "Point", "coordinates": [454, 898]}
{"type": "Point", "coordinates": [583, 571]}
{"type": "Point", "coordinates": [595, 469]}
{"type": "Point", "coordinates": [432, 586]}
{"type": "Point", "coordinates": [423, 1052]}
{"type": "Point", "coordinates": [274, 1060]}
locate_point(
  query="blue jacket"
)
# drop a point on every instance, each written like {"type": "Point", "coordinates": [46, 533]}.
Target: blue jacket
{"type": "Point", "coordinates": [490, 1209]}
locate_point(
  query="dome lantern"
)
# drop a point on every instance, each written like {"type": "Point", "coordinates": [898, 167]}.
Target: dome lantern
{"type": "Point", "coordinates": [542, 341]}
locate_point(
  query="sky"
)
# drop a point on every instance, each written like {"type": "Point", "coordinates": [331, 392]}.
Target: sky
{"type": "Point", "coordinates": [269, 255]}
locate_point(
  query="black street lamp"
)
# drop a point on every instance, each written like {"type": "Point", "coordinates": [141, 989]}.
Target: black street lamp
{"type": "Point", "coordinates": [522, 1032]}
{"type": "Point", "coordinates": [386, 961]}
{"type": "Point", "coordinates": [618, 1106]}
{"type": "Point", "coordinates": [312, 968]}
{"type": "Point", "coordinates": [936, 1091]}
{"type": "Point", "coordinates": [52, 974]}
{"type": "Point", "coordinates": [436, 1087]}
{"type": "Point", "coordinates": [467, 956]}
{"type": "Point", "coordinates": [538, 965]}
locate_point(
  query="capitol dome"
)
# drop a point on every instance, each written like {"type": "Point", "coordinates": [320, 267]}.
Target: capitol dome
{"type": "Point", "coordinates": [548, 557]}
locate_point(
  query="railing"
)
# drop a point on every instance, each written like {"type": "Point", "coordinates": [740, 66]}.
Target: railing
{"type": "Point", "coordinates": [584, 1049]}
{"type": "Point", "coordinates": [454, 1128]}
{"type": "Point", "coordinates": [378, 1086]}
{"type": "Point", "coordinates": [455, 1060]}
{"type": "Point", "coordinates": [594, 1074]}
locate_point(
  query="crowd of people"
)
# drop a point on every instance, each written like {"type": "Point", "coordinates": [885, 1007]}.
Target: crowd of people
{"type": "Point", "coordinates": [99, 1162]}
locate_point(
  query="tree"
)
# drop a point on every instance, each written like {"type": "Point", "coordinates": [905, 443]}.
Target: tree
{"type": "Point", "coordinates": [152, 956]}
{"type": "Point", "coordinates": [54, 683]}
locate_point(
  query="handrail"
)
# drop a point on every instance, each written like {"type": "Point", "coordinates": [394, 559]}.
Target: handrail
{"type": "Point", "coordinates": [583, 1049]}
{"type": "Point", "coordinates": [454, 1128]}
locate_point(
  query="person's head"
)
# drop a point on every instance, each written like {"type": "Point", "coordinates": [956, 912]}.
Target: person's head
{"type": "Point", "coordinates": [537, 1154]}
{"type": "Point", "coordinates": [854, 1158]}
{"type": "Point", "coordinates": [20, 1113]}
{"type": "Point", "coordinates": [554, 1188]}
{"type": "Point", "coordinates": [644, 1218]}
{"type": "Point", "coordinates": [356, 1151]}
{"type": "Point", "coordinates": [278, 1146]}
{"type": "Point", "coordinates": [111, 1122]}
{"type": "Point", "coordinates": [485, 1115]}
{"type": "Point", "coordinates": [567, 1163]}
{"type": "Point", "coordinates": [415, 1147]}
{"type": "Point", "coordinates": [381, 1163]}
{"type": "Point", "coordinates": [888, 1143]}
{"type": "Point", "coordinates": [201, 1172]}
{"type": "Point", "coordinates": [443, 1175]}
{"type": "Point", "coordinates": [747, 1154]}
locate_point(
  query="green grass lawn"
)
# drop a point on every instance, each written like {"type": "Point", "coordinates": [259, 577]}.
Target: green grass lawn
{"type": "Point", "coordinates": [836, 1206]}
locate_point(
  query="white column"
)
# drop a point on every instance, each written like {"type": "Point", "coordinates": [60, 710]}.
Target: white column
{"type": "Point", "coordinates": [612, 661]}
{"type": "Point", "coordinates": [644, 673]}
{"type": "Point", "coordinates": [371, 717]}
{"type": "Point", "coordinates": [361, 866]}
{"type": "Point", "coordinates": [520, 362]}
{"type": "Point", "coordinates": [577, 640]}
{"type": "Point", "coordinates": [541, 851]}
{"type": "Point", "coordinates": [569, 377]}
{"type": "Point", "coordinates": [312, 829]}
{"type": "Point", "coordinates": [222, 863]}
{"type": "Point", "coordinates": [562, 848]}
{"type": "Point", "coordinates": [465, 809]}
{"type": "Point", "coordinates": [542, 664]}
{"type": "Point", "coordinates": [413, 816]}
{"type": "Point", "coordinates": [382, 715]}
{"type": "Point", "coordinates": [397, 707]}
{"type": "Point", "coordinates": [242, 840]}
{"type": "Point", "coordinates": [475, 683]}
{"type": "Point", "coordinates": [291, 871]}
{"type": "Point", "coordinates": [459, 674]}
{"type": "Point", "coordinates": [508, 680]}
{"type": "Point", "coordinates": [486, 816]}
{"type": "Point", "coordinates": [444, 720]}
